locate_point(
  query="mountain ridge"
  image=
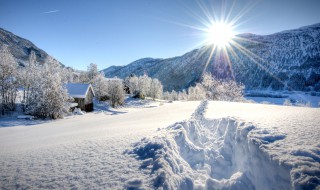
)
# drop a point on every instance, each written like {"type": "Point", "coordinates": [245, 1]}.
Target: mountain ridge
{"type": "Point", "coordinates": [288, 59]}
{"type": "Point", "coordinates": [21, 48]}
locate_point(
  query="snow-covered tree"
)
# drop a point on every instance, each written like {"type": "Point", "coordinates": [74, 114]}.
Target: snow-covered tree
{"type": "Point", "coordinates": [100, 86]}
{"type": "Point", "coordinates": [92, 71]}
{"type": "Point", "coordinates": [197, 92]}
{"type": "Point", "coordinates": [132, 82]}
{"type": "Point", "coordinates": [172, 96]}
{"type": "Point", "coordinates": [116, 92]}
{"type": "Point", "coordinates": [166, 95]}
{"type": "Point", "coordinates": [83, 77]}
{"type": "Point", "coordinates": [68, 75]}
{"type": "Point", "coordinates": [48, 94]}
{"type": "Point", "coordinates": [221, 90]}
{"type": "Point", "coordinates": [8, 80]}
{"type": "Point", "coordinates": [231, 91]}
{"type": "Point", "coordinates": [144, 84]}
{"type": "Point", "coordinates": [155, 89]}
{"type": "Point", "coordinates": [27, 76]}
{"type": "Point", "coordinates": [183, 95]}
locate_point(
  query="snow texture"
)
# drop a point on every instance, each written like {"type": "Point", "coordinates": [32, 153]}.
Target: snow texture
{"type": "Point", "coordinates": [231, 152]}
{"type": "Point", "coordinates": [222, 145]}
{"type": "Point", "coordinates": [302, 99]}
{"type": "Point", "coordinates": [82, 151]}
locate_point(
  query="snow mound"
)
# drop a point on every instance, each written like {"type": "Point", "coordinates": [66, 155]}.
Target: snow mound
{"type": "Point", "coordinates": [77, 111]}
{"type": "Point", "coordinates": [224, 153]}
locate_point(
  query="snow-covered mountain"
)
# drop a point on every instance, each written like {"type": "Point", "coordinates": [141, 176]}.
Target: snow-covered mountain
{"type": "Point", "coordinates": [285, 60]}
{"type": "Point", "coordinates": [21, 48]}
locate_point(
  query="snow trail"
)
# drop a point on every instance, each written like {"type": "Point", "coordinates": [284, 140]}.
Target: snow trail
{"type": "Point", "coordinates": [224, 153]}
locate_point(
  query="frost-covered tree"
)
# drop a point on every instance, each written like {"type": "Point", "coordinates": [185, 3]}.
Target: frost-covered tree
{"type": "Point", "coordinates": [68, 75]}
{"type": "Point", "coordinates": [197, 92]}
{"type": "Point", "coordinates": [172, 96]}
{"type": "Point", "coordinates": [144, 84]}
{"type": "Point", "coordinates": [27, 76]}
{"type": "Point", "coordinates": [132, 82]}
{"type": "Point", "coordinates": [92, 71]}
{"type": "Point", "coordinates": [116, 92]}
{"type": "Point", "coordinates": [221, 90]}
{"type": "Point", "coordinates": [48, 94]}
{"type": "Point", "coordinates": [155, 89]}
{"type": "Point", "coordinates": [100, 86]}
{"type": "Point", "coordinates": [8, 80]}
{"type": "Point", "coordinates": [83, 77]}
{"type": "Point", "coordinates": [166, 95]}
{"type": "Point", "coordinates": [231, 91]}
{"type": "Point", "coordinates": [183, 95]}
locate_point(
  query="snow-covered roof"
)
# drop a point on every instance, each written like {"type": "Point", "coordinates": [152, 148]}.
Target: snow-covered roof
{"type": "Point", "coordinates": [78, 90]}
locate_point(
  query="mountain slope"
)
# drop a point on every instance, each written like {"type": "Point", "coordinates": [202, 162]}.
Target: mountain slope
{"type": "Point", "coordinates": [284, 60]}
{"type": "Point", "coordinates": [21, 48]}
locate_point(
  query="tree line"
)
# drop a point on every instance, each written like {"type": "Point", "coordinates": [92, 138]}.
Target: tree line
{"type": "Point", "coordinates": [43, 92]}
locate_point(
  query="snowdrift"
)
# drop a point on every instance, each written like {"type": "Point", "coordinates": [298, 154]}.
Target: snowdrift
{"type": "Point", "coordinates": [224, 153]}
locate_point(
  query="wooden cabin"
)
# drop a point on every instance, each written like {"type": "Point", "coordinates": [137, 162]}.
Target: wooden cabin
{"type": "Point", "coordinates": [82, 94]}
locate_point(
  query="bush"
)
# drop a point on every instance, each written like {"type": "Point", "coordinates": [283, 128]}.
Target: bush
{"type": "Point", "coordinates": [139, 95]}
{"type": "Point", "coordinates": [104, 98]}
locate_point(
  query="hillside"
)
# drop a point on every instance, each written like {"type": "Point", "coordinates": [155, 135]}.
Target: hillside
{"type": "Point", "coordinates": [285, 60]}
{"type": "Point", "coordinates": [21, 48]}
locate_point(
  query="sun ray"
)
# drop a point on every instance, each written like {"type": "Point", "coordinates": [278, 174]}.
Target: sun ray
{"type": "Point", "coordinates": [209, 59]}
{"type": "Point", "coordinates": [226, 48]}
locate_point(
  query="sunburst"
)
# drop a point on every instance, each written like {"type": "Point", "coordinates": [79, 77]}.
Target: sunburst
{"type": "Point", "coordinates": [220, 34]}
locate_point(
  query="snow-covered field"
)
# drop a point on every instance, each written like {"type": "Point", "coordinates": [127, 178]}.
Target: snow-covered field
{"type": "Point", "coordinates": [83, 151]}
{"type": "Point", "coordinates": [293, 98]}
{"type": "Point", "coordinates": [179, 145]}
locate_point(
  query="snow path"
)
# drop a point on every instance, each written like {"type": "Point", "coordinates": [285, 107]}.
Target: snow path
{"type": "Point", "coordinates": [227, 145]}
{"type": "Point", "coordinates": [82, 151]}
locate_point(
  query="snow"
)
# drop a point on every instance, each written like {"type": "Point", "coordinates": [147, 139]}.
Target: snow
{"type": "Point", "coordinates": [30, 117]}
{"type": "Point", "coordinates": [228, 145]}
{"type": "Point", "coordinates": [159, 145]}
{"type": "Point", "coordinates": [296, 98]}
{"type": "Point", "coordinates": [77, 111]}
{"type": "Point", "coordinates": [77, 90]}
{"type": "Point", "coordinates": [82, 151]}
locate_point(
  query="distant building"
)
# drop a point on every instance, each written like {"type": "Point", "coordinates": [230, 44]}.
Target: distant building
{"type": "Point", "coordinates": [83, 95]}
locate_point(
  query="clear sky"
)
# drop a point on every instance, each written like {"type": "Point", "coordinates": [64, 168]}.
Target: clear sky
{"type": "Point", "coordinates": [117, 32]}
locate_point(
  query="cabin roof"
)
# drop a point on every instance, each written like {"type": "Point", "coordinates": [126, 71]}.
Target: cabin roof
{"type": "Point", "coordinates": [78, 90]}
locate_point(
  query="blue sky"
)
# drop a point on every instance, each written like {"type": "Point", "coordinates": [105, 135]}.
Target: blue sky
{"type": "Point", "coordinates": [105, 32]}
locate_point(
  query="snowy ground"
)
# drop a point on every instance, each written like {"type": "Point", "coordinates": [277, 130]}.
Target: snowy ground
{"type": "Point", "coordinates": [235, 146]}
{"type": "Point", "coordinates": [83, 151]}
{"type": "Point", "coordinates": [296, 98]}
{"type": "Point", "coordinates": [179, 145]}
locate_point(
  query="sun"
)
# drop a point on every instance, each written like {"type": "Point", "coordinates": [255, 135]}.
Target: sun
{"type": "Point", "coordinates": [220, 34]}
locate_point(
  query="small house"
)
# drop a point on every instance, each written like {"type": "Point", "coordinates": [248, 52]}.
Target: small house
{"type": "Point", "coordinates": [82, 94]}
